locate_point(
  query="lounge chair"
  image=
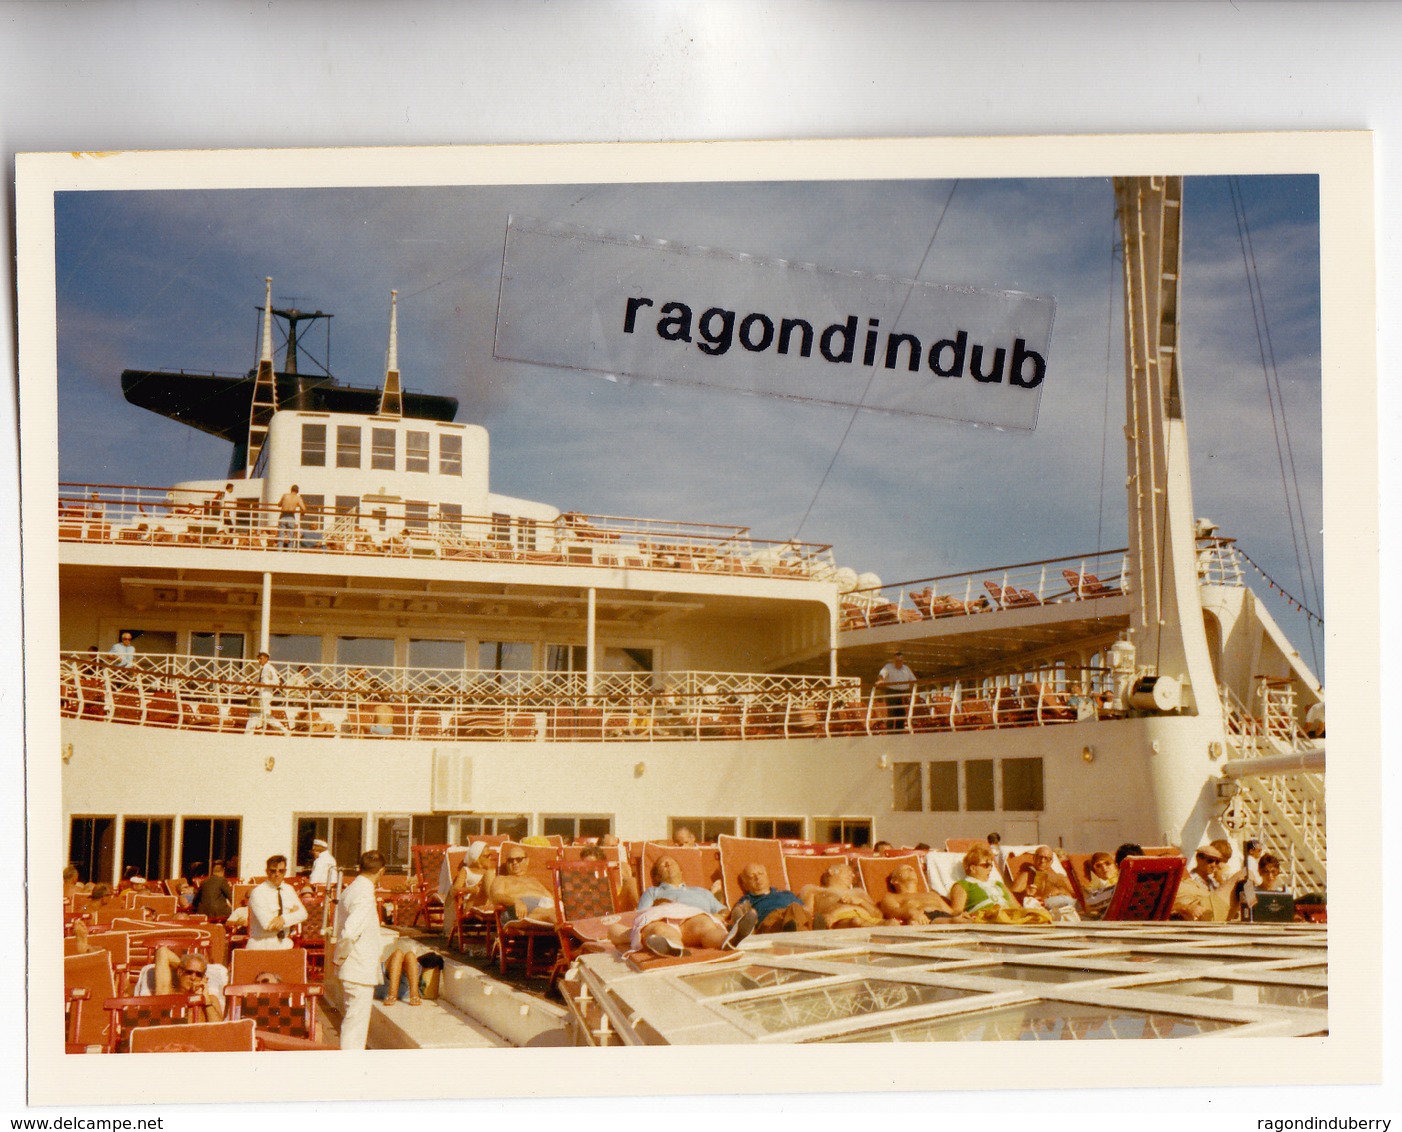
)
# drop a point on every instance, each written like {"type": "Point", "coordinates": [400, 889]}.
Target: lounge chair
{"type": "Point", "coordinates": [738, 852]}
{"type": "Point", "coordinates": [1146, 888]}
{"type": "Point", "coordinates": [195, 1037]}
{"type": "Point", "coordinates": [288, 1009]}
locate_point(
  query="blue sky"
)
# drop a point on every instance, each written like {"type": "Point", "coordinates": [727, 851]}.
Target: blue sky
{"type": "Point", "coordinates": [161, 279]}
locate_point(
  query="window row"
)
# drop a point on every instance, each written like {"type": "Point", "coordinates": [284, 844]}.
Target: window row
{"type": "Point", "coordinates": [969, 786]}
{"type": "Point", "coordinates": [148, 844]}
{"type": "Point", "coordinates": [384, 449]}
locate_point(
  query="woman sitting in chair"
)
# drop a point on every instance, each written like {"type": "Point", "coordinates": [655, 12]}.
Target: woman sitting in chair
{"type": "Point", "coordinates": [983, 898]}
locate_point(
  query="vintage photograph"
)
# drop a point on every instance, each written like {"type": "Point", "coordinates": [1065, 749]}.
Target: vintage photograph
{"type": "Point", "coordinates": [731, 612]}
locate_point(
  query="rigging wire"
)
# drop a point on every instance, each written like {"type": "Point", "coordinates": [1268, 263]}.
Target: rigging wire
{"type": "Point", "coordinates": [852, 420]}
{"type": "Point", "coordinates": [1274, 394]}
{"type": "Point", "coordinates": [1105, 398]}
{"type": "Point", "coordinates": [1290, 599]}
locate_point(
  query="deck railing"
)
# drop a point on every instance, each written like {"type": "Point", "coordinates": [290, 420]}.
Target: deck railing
{"type": "Point", "coordinates": [324, 701]}
{"type": "Point", "coordinates": [147, 516]}
{"type": "Point", "coordinates": [1022, 585]}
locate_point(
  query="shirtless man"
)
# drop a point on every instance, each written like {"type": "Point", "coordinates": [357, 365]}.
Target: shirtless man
{"type": "Point", "coordinates": [837, 902]}
{"type": "Point", "coordinates": [1040, 881]}
{"type": "Point", "coordinates": [525, 896]}
{"type": "Point", "coordinates": [906, 904]}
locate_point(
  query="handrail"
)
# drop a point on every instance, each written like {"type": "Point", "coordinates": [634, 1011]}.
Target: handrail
{"type": "Point", "coordinates": [1019, 585]}
{"type": "Point", "coordinates": [200, 517]}
{"type": "Point", "coordinates": [217, 694]}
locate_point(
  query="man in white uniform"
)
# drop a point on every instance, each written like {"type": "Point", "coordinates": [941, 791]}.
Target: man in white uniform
{"type": "Point", "coordinates": [359, 942]}
{"type": "Point", "coordinates": [268, 679]}
{"type": "Point", "coordinates": [323, 865]}
{"type": "Point", "coordinates": [273, 910]}
{"type": "Point", "coordinates": [895, 683]}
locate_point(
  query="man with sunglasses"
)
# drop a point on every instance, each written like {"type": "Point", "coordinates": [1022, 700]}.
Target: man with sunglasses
{"type": "Point", "coordinates": [273, 910]}
{"type": "Point", "coordinates": [191, 973]}
{"type": "Point", "coordinates": [524, 897]}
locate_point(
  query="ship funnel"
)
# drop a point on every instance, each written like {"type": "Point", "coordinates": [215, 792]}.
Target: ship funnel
{"type": "Point", "coordinates": [392, 398]}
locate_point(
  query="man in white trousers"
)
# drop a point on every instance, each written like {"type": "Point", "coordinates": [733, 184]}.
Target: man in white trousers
{"type": "Point", "coordinates": [359, 943]}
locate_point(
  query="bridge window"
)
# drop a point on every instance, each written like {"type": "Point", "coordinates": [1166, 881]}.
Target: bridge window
{"type": "Point", "coordinates": [295, 648]}
{"type": "Point", "coordinates": [226, 646]}
{"type": "Point", "coordinates": [313, 446]}
{"type": "Point", "coordinates": [377, 652]}
{"type": "Point", "coordinates": [416, 451]}
{"type": "Point", "coordinates": [449, 454]}
{"type": "Point", "coordinates": [382, 449]}
{"type": "Point", "coordinates": [450, 518]}
{"type": "Point", "coordinates": [347, 446]}
{"type": "Point", "coordinates": [505, 656]}
{"type": "Point", "coordinates": [416, 515]}
{"type": "Point", "coordinates": [311, 520]}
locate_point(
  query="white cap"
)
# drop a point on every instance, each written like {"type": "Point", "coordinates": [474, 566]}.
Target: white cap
{"type": "Point", "coordinates": [318, 841]}
{"type": "Point", "coordinates": [475, 851]}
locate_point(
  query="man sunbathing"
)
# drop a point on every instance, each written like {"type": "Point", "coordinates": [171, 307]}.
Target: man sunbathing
{"type": "Point", "coordinates": [776, 909]}
{"type": "Point", "coordinates": [191, 973]}
{"type": "Point", "coordinates": [524, 896]}
{"type": "Point", "coordinates": [837, 902]}
{"type": "Point", "coordinates": [674, 916]}
{"type": "Point", "coordinates": [906, 904]}
{"type": "Point", "coordinates": [1038, 881]}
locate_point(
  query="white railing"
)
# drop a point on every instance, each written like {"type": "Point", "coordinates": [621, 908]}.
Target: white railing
{"type": "Point", "coordinates": [1273, 728]}
{"type": "Point", "coordinates": [143, 516]}
{"type": "Point", "coordinates": [1219, 564]}
{"type": "Point", "coordinates": [325, 700]}
{"type": "Point", "coordinates": [1023, 585]}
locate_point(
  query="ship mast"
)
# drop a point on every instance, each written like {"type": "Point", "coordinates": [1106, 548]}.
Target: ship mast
{"type": "Point", "coordinates": [1166, 622]}
{"type": "Point", "coordinates": [391, 397]}
{"type": "Point", "coordinates": [264, 388]}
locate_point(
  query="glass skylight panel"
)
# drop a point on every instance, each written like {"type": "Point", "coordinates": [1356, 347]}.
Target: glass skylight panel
{"type": "Point", "coordinates": [834, 1002]}
{"type": "Point", "coordinates": [1044, 1021]}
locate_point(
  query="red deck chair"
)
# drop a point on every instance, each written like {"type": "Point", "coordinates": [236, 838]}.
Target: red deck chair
{"type": "Point", "coordinates": [806, 869]}
{"type": "Point", "coordinates": [737, 852]}
{"type": "Point", "coordinates": [428, 861]}
{"type": "Point", "coordinates": [126, 1014]}
{"type": "Point", "coordinates": [1146, 888]}
{"type": "Point", "coordinates": [873, 872]}
{"type": "Point", "coordinates": [531, 942]}
{"type": "Point", "coordinates": [697, 863]}
{"type": "Point", "coordinates": [288, 964]}
{"type": "Point", "coordinates": [585, 893]}
{"type": "Point", "coordinates": [93, 975]}
{"type": "Point", "coordinates": [196, 1037]}
{"type": "Point", "coordinates": [288, 1009]}
{"type": "Point", "coordinates": [75, 998]}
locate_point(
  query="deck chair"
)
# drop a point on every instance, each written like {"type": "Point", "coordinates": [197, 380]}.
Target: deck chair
{"type": "Point", "coordinates": [873, 872]}
{"type": "Point", "coordinates": [428, 862]}
{"type": "Point", "coordinates": [288, 1009]}
{"type": "Point", "coordinates": [126, 1014]}
{"type": "Point", "coordinates": [196, 1037]}
{"type": "Point", "coordinates": [74, 1000]}
{"type": "Point", "coordinates": [585, 894]}
{"type": "Point", "coordinates": [1146, 888]}
{"type": "Point", "coordinates": [698, 863]}
{"type": "Point", "coordinates": [738, 852]}
{"type": "Point", "coordinates": [805, 869]}
{"type": "Point", "coordinates": [531, 942]}
{"type": "Point", "coordinates": [93, 975]}
{"type": "Point", "coordinates": [288, 964]}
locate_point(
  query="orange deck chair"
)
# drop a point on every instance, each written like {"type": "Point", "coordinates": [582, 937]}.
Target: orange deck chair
{"type": "Point", "coordinates": [289, 964]}
{"type": "Point", "coordinates": [195, 1037]}
{"type": "Point", "coordinates": [874, 871]}
{"type": "Point", "coordinates": [91, 973]}
{"type": "Point", "coordinates": [287, 1009]}
{"type": "Point", "coordinates": [737, 852]}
